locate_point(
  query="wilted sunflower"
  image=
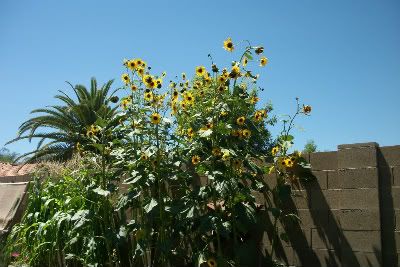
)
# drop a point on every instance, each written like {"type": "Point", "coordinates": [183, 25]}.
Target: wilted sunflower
{"type": "Point", "coordinates": [228, 45]}
{"type": "Point", "coordinates": [216, 151]}
{"type": "Point", "coordinates": [306, 109]}
{"type": "Point", "coordinates": [259, 50]}
{"type": "Point", "coordinates": [159, 83]}
{"type": "Point", "coordinates": [201, 71]}
{"type": "Point", "coordinates": [183, 76]}
{"type": "Point", "coordinates": [195, 160]}
{"type": "Point", "coordinates": [263, 61]}
{"type": "Point", "coordinates": [240, 120]}
{"type": "Point", "coordinates": [155, 118]}
{"type": "Point", "coordinates": [125, 78]}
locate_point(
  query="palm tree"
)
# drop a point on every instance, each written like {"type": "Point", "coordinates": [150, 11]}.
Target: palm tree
{"type": "Point", "coordinates": [66, 124]}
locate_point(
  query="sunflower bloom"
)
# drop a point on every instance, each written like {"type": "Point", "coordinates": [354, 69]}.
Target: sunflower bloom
{"type": "Point", "coordinates": [245, 61]}
{"type": "Point", "coordinates": [190, 132]}
{"type": "Point", "coordinates": [263, 61]}
{"type": "Point", "coordinates": [195, 160]}
{"type": "Point", "coordinates": [228, 45]}
{"type": "Point", "coordinates": [155, 118]}
{"type": "Point", "coordinates": [131, 64]}
{"type": "Point", "coordinates": [275, 150]}
{"type": "Point", "coordinates": [125, 78]}
{"type": "Point", "coordinates": [134, 87]}
{"type": "Point", "coordinates": [235, 72]}
{"type": "Point", "coordinates": [201, 71]}
{"type": "Point", "coordinates": [188, 98]}
{"type": "Point", "coordinates": [240, 120]}
{"type": "Point", "coordinates": [246, 133]}
{"type": "Point", "coordinates": [148, 96]}
{"type": "Point", "coordinates": [216, 151]}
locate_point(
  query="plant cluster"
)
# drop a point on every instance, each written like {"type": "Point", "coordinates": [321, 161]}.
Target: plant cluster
{"type": "Point", "coordinates": [170, 179]}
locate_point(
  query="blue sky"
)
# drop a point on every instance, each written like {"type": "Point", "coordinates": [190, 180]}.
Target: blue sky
{"type": "Point", "coordinates": [342, 57]}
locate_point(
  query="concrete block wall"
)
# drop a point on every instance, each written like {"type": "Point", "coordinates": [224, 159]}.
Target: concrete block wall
{"type": "Point", "coordinates": [350, 213]}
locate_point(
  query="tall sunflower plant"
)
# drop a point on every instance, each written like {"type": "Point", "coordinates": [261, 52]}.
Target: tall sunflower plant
{"type": "Point", "coordinates": [194, 153]}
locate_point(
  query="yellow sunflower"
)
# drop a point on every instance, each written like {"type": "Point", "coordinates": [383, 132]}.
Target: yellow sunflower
{"type": "Point", "coordinates": [240, 120]}
{"type": "Point", "coordinates": [134, 87]}
{"type": "Point", "coordinates": [125, 78]}
{"type": "Point", "coordinates": [245, 61]}
{"type": "Point", "coordinates": [148, 96]}
{"type": "Point", "coordinates": [246, 133]}
{"type": "Point", "coordinates": [140, 71]}
{"type": "Point", "coordinates": [275, 150]}
{"type": "Point", "coordinates": [195, 160]}
{"type": "Point", "coordinates": [189, 98]}
{"type": "Point", "coordinates": [228, 45]}
{"type": "Point", "coordinates": [131, 64]}
{"type": "Point", "coordinates": [263, 61]}
{"type": "Point", "coordinates": [155, 118]}
{"type": "Point", "coordinates": [235, 72]}
{"type": "Point", "coordinates": [190, 132]}
{"type": "Point", "coordinates": [201, 71]}
{"type": "Point", "coordinates": [149, 81]}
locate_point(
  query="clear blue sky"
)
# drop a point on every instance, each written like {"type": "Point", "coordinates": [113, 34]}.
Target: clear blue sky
{"type": "Point", "coordinates": [342, 57]}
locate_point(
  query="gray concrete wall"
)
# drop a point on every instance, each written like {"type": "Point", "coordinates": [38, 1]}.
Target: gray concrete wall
{"type": "Point", "coordinates": [351, 212]}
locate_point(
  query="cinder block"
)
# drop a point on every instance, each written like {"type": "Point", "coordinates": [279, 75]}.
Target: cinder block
{"type": "Point", "coordinates": [333, 180]}
{"type": "Point", "coordinates": [316, 257]}
{"type": "Point", "coordinates": [301, 199]}
{"type": "Point", "coordinates": [396, 176]}
{"type": "Point", "coordinates": [270, 179]}
{"type": "Point", "coordinates": [397, 219]}
{"type": "Point", "coordinates": [391, 155]}
{"type": "Point", "coordinates": [358, 178]}
{"type": "Point", "coordinates": [363, 198]}
{"type": "Point", "coordinates": [324, 238]}
{"type": "Point", "coordinates": [365, 241]}
{"type": "Point", "coordinates": [357, 157]}
{"type": "Point", "coordinates": [397, 239]}
{"type": "Point", "coordinates": [325, 199]}
{"type": "Point", "coordinates": [392, 196]}
{"type": "Point", "coordinates": [313, 218]}
{"type": "Point", "coordinates": [298, 237]}
{"type": "Point", "coordinates": [358, 145]}
{"type": "Point", "coordinates": [319, 183]}
{"type": "Point", "coordinates": [367, 219]}
{"type": "Point", "coordinates": [354, 258]}
{"type": "Point", "coordinates": [323, 160]}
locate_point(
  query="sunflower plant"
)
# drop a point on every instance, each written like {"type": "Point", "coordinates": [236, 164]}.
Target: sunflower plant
{"type": "Point", "coordinates": [179, 165]}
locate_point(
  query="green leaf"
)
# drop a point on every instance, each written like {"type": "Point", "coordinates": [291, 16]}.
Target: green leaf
{"type": "Point", "coordinates": [248, 55]}
{"type": "Point", "coordinates": [101, 192]}
{"type": "Point", "coordinates": [151, 205]}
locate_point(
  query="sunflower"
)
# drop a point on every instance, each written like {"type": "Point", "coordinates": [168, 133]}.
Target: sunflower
{"type": "Point", "coordinates": [149, 81]}
{"type": "Point", "coordinates": [306, 109]}
{"type": "Point", "coordinates": [221, 79]}
{"type": "Point", "coordinates": [125, 78]}
{"type": "Point", "coordinates": [202, 93]}
{"type": "Point", "coordinates": [288, 162]}
{"type": "Point", "coordinates": [246, 133]}
{"type": "Point", "coordinates": [139, 62]}
{"type": "Point", "coordinates": [245, 61]}
{"type": "Point", "coordinates": [235, 72]}
{"type": "Point", "coordinates": [263, 61]}
{"type": "Point", "coordinates": [131, 64]}
{"type": "Point", "coordinates": [174, 108]}
{"type": "Point", "coordinates": [183, 76]}
{"type": "Point", "coordinates": [175, 96]}
{"type": "Point", "coordinates": [236, 133]}
{"type": "Point", "coordinates": [254, 100]}
{"type": "Point", "coordinates": [190, 132]}
{"type": "Point", "coordinates": [259, 50]}
{"type": "Point", "coordinates": [258, 116]}
{"type": "Point", "coordinates": [125, 103]}
{"type": "Point", "coordinates": [144, 157]}
{"type": "Point", "coordinates": [140, 71]}
{"type": "Point", "coordinates": [240, 120]}
{"type": "Point", "coordinates": [221, 88]}
{"type": "Point", "coordinates": [183, 105]}
{"type": "Point", "coordinates": [134, 87]}
{"type": "Point", "coordinates": [209, 125]}
{"type": "Point", "coordinates": [275, 150]}
{"type": "Point", "coordinates": [216, 151]}
{"type": "Point", "coordinates": [148, 96]}
{"type": "Point", "coordinates": [228, 45]}
{"type": "Point", "coordinates": [195, 160]}
{"type": "Point", "coordinates": [201, 71]}
{"type": "Point", "coordinates": [237, 164]}
{"type": "Point", "coordinates": [159, 83]}
{"type": "Point", "coordinates": [155, 118]}
{"type": "Point", "coordinates": [226, 155]}
{"type": "Point", "coordinates": [188, 97]}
